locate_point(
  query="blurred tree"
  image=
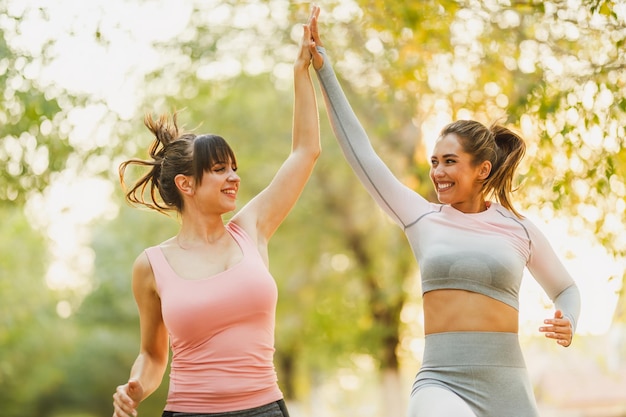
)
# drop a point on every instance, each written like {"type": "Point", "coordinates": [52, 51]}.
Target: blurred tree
{"type": "Point", "coordinates": [33, 143]}
{"type": "Point", "coordinates": [105, 329]}
{"type": "Point", "coordinates": [555, 71]}
{"type": "Point", "coordinates": [345, 273]}
{"type": "Point", "coordinates": [108, 320]}
{"type": "Point", "coordinates": [422, 65]}
{"type": "Point", "coordinates": [33, 338]}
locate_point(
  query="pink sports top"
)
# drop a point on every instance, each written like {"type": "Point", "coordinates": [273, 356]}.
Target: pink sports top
{"type": "Point", "coordinates": [221, 333]}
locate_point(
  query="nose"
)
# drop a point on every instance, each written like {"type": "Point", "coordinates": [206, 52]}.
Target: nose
{"type": "Point", "coordinates": [233, 177]}
{"type": "Point", "coordinates": [437, 171]}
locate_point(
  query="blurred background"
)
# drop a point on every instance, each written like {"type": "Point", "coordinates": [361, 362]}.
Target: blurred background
{"type": "Point", "coordinates": [77, 78]}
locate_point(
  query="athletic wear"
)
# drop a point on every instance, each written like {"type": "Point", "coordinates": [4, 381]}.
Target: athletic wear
{"type": "Point", "coordinates": [275, 409]}
{"type": "Point", "coordinates": [221, 333]}
{"type": "Point", "coordinates": [484, 252]}
{"type": "Point", "coordinates": [485, 369]}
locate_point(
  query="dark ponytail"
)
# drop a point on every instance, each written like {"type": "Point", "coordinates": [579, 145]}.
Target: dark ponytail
{"type": "Point", "coordinates": [168, 145]}
{"type": "Point", "coordinates": [172, 154]}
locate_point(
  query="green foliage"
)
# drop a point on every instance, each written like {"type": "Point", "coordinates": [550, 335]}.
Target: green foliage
{"type": "Point", "coordinates": [107, 320]}
{"type": "Point", "coordinates": [32, 337]}
{"type": "Point", "coordinates": [557, 67]}
{"type": "Point", "coordinates": [32, 147]}
{"type": "Point", "coordinates": [342, 267]}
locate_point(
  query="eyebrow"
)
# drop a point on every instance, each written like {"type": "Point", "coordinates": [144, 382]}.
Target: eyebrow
{"type": "Point", "coordinates": [448, 155]}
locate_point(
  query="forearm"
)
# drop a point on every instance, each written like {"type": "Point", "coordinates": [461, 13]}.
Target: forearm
{"type": "Point", "coordinates": [568, 301]}
{"type": "Point", "coordinates": [350, 134]}
{"type": "Point", "coordinates": [148, 370]}
{"type": "Point", "coordinates": [273, 204]}
{"type": "Point", "coordinates": [305, 134]}
{"type": "Point", "coordinates": [401, 203]}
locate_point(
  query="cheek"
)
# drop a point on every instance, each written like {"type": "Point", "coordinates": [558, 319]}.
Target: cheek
{"type": "Point", "coordinates": [431, 174]}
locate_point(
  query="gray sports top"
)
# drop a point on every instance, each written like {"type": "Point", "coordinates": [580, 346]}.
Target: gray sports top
{"type": "Point", "coordinates": [482, 252]}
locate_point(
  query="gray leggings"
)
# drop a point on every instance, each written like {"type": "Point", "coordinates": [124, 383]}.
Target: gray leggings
{"type": "Point", "coordinates": [275, 409]}
{"type": "Point", "coordinates": [485, 370]}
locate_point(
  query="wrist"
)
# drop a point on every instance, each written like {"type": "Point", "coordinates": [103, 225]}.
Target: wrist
{"type": "Point", "coordinates": [301, 65]}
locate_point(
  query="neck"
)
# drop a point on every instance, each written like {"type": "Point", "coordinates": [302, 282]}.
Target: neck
{"type": "Point", "coordinates": [195, 231]}
{"type": "Point", "coordinates": [474, 207]}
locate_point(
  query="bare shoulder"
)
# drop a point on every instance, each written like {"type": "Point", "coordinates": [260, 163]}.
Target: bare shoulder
{"type": "Point", "coordinates": [143, 276]}
{"type": "Point", "coordinates": [252, 230]}
{"type": "Point", "coordinates": [248, 223]}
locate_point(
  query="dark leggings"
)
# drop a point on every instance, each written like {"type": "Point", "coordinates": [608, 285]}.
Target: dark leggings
{"type": "Point", "coordinates": [275, 409]}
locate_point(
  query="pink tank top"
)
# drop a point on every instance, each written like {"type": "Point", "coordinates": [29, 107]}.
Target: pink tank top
{"type": "Point", "coordinates": [221, 333]}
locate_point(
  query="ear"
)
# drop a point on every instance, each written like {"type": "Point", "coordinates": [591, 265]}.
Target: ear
{"type": "Point", "coordinates": [484, 170]}
{"type": "Point", "coordinates": [184, 184]}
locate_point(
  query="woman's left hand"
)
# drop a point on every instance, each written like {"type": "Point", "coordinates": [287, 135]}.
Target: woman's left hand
{"type": "Point", "coordinates": [307, 43]}
{"type": "Point", "coordinates": [559, 328]}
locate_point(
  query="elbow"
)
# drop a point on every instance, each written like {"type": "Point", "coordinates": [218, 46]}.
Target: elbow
{"type": "Point", "coordinates": [310, 153]}
{"type": "Point", "coordinates": [156, 359]}
{"type": "Point", "coordinates": [157, 353]}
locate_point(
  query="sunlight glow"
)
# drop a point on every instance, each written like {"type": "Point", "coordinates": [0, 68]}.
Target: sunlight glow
{"type": "Point", "coordinates": [107, 68]}
{"type": "Point", "coordinates": [596, 273]}
{"type": "Point", "coordinates": [111, 68]}
{"type": "Point", "coordinates": [340, 262]}
{"type": "Point", "coordinates": [65, 212]}
{"type": "Point", "coordinates": [64, 309]}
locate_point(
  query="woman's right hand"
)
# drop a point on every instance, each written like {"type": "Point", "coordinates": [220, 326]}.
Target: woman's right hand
{"type": "Point", "coordinates": [127, 398]}
{"type": "Point", "coordinates": [318, 59]}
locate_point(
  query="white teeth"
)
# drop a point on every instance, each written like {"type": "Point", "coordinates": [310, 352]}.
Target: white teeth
{"type": "Point", "coordinates": [444, 186]}
{"type": "Point", "coordinates": [229, 191]}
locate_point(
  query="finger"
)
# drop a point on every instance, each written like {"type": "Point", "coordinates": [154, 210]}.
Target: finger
{"type": "Point", "coordinates": [565, 339]}
{"type": "Point", "coordinates": [558, 320]}
{"type": "Point", "coordinates": [315, 10]}
{"type": "Point", "coordinates": [119, 411]}
{"type": "Point", "coordinates": [556, 329]}
{"type": "Point", "coordinates": [562, 337]}
{"type": "Point", "coordinates": [306, 33]}
{"type": "Point", "coordinates": [312, 14]}
{"type": "Point", "coordinates": [305, 44]}
{"type": "Point", "coordinates": [123, 398]}
{"type": "Point", "coordinates": [315, 32]}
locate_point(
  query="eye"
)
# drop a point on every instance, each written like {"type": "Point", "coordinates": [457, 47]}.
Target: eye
{"type": "Point", "coordinates": [433, 162]}
{"type": "Point", "coordinates": [450, 161]}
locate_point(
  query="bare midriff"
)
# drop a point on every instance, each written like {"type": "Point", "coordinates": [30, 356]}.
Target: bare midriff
{"type": "Point", "coordinates": [465, 311]}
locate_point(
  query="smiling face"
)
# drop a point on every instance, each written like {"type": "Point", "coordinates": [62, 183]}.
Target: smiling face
{"type": "Point", "coordinates": [215, 193]}
{"type": "Point", "coordinates": [457, 179]}
{"type": "Point", "coordinates": [214, 183]}
{"type": "Point", "coordinates": [219, 186]}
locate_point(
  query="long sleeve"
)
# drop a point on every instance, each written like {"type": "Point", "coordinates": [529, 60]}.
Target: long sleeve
{"type": "Point", "coordinates": [550, 273]}
{"type": "Point", "coordinates": [400, 202]}
{"type": "Point", "coordinates": [568, 301]}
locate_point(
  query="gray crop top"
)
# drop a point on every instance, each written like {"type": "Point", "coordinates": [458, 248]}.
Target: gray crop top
{"type": "Point", "coordinates": [482, 252]}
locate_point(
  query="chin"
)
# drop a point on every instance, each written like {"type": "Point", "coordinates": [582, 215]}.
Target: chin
{"type": "Point", "coordinates": [443, 199]}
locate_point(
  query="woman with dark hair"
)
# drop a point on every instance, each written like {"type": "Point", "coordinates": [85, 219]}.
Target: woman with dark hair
{"type": "Point", "coordinates": [207, 292]}
{"type": "Point", "coordinates": [472, 253]}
